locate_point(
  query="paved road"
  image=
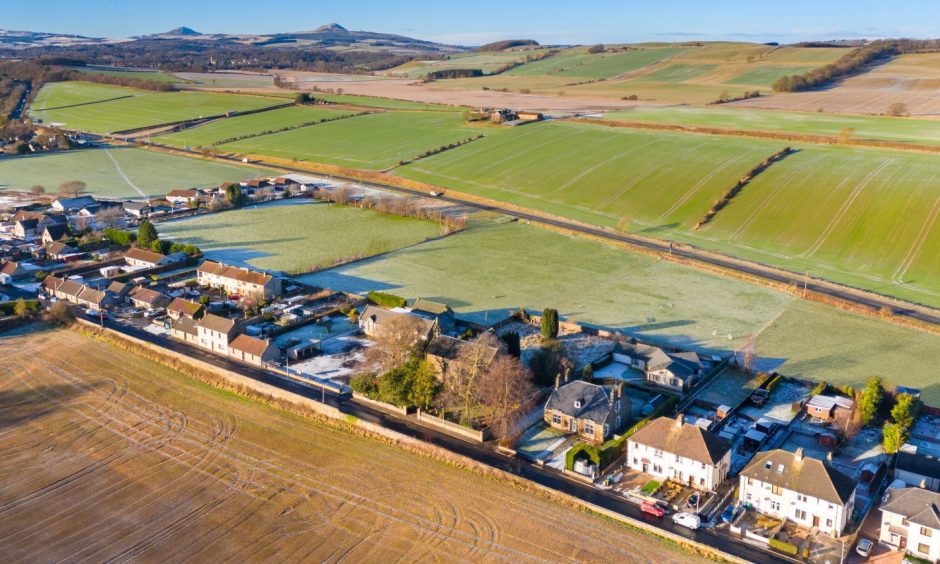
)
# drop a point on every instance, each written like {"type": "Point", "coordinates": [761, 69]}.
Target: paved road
{"type": "Point", "coordinates": [21, 105]}
{"type": "Point", "coordinates": [690, 253]}
{"type": "Point", "coordinates": [481, 453]}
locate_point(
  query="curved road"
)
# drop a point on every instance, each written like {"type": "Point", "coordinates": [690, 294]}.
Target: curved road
{"type": "Point", "coordinates": [479, 452]}
{"type": "Point", "coordinates": [866, 299]}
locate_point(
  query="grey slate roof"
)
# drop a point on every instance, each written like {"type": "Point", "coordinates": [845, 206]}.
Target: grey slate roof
{"type": "Point", "coordinates": [581, 400]}
{"type": "Point", "coordinates": [919, 506]}
{"type": "Point", "coordinates": [381, 316]}
{"type": "Point", "coordinates": [637, 351]}
{"type": "Point", "coordinates": [682, 365]}
{"type": "Point", "coordinates": [922, 464]}
{"type": "Point", "coordinates": [687, 441]}
{"type": "Point", "coordinates": [449, 348]}
{"type": "Point", "coordinates": [804, 475]}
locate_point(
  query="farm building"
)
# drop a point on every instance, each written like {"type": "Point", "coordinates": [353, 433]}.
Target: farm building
{"type": "Point", "coordinates": [72, 205]}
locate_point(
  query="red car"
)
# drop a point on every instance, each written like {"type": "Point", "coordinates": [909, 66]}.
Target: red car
{"type": "Point", "coordinates": [652, 509]}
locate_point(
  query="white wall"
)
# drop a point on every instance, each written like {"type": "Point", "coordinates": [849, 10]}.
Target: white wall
{"type": "Point", "coordinates": [788, 504]}
{"type": "Point", "coordinates": [666, 466]}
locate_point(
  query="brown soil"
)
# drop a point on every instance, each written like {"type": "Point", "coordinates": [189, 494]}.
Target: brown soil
{"type": "Point", "coordinates": [106, 455]}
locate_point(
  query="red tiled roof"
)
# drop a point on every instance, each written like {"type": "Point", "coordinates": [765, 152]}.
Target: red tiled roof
{"type": "Point", "coordinates": [234, 273]}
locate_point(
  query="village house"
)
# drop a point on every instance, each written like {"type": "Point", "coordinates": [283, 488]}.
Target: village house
{"type": "Point", "coordinates": [184, 308]}
{"type": "Point", "coordinates": [828, 408]}
{"type": "Point", "coordinates": [917, 469]}
{"type": "Point", "coordinates": [138, 209]}
{"type": "Point", "coordinates": [185, 329]}
{"type": "Point", "coordinates": [634, 355]}
{"type": "Point", "coordinates": [77, 293]}
{"type": "Point", "coordinates": [374, 320]}
{"type": "Point", "coordinates": [592, 412]}
{"type": "Point", "coordinates": [240, 281]}
{"type": "Point", "coordinates": [147, 299]}
{"type": "Point", "coordinates": [671, 449]}
{"type": "Point", "coordinates": [254, 350]}
{"type": "Point", "coordinates": [437, 311]}
{"type": "Point", "coordinates": [792, 486]}
{"type": "Point", "coordinates": [216, 332]}
{"type": "Point", "coordinates": [61, 251]}
{"type": "Point", "coordinates": [143, 258]}
{"type": "Point", "coordinates": [443, 352]}
{"type": "Point", "coordinates": [54, 232]}
{"type": "Point", "coordinates": [677, 371]}
{"type": "Point", "coordinates": [181, 197]}
{"type": "Point", "coordinates": [25, 228]}
{"type": "Point", "coordinates": [72, 205]}
{"type": "Point", "coordinates": [120, 290]}
{"type": "Point", "coordinates": [14, 270]}
{"type": "Point", "coordinates": [910, 519]}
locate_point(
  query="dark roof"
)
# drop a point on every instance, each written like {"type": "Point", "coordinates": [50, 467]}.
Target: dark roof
{"type": "Point", "coordinates": [802, 474]}
{"type": "Point", "coordinates": [217, 323]}
{"type": "Point", "coordinates": [581, 400]}
{"type": "Point", "coordinates": [689, 441]}
{"type": "Point", "coordinates": [919, 506]}
{"type": "Point", "coordinates": [28, 223]}
{"type": "Point", "coordinates": [78, 203]}
{"type": "Point", "coordinates": [682, 365]}
{"type": "Point", "coordinates": [56, 231]}
{"type": "Point", "coordinates": [917, 463]}
{"type": "Point", "coordinates": [637, 350]}
{"type": "Point", "coordinates": [433, 308]}
{"type": "Point", "coordinates": [146, 295]}
{"type": "Point", "coordinates": [449, 348]}
{"type": "Point", "coordinates": [52, 219]}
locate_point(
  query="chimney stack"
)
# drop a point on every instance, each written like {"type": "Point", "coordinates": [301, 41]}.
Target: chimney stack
{"type": "Point", "coordinates": [829, 456]}
{"type": "Point", "coordinates": [557, 381]}
{"type": "Point", "coordinates": [680, 419]}
{"type": "Point", "coordinates": [799, 453]}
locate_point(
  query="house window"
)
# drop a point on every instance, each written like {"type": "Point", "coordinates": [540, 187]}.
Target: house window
{"type": "Point", "coordinates": [701, 481]}
{"type": "Point", "coordinates": [925, 532]}
{"type": "Point", "coordinates": [606, 430]}
{"type": "Point", "coordinates": [577, 405]}
{"type": "Point", "coordinates": [775, 505]}
{"type": "Point", "coordinates": [658, 453]}
{"type": "Point", "coordinates": [800, 514]}
{"type": "Point", "coordinates": [556, 419]}
{"type": "Point", "coordinates": [657, 469]}
{"type": "Point", "coordinates": [747, 497]}
{"type": "Point", "coordinates": [775, 490]}
{"type": "Point", "coordinates": [588, 428]}
{"type": "Point", "coordinates": [923, 548]}
{"type": "Point", "coordinates": [678, 458]}
{"type": "Point", "coordinates": [828, 522]}
{"type": "Point", "coordinates": [703, 466]}
{"type": "Point", "coordinates": [635, 461]}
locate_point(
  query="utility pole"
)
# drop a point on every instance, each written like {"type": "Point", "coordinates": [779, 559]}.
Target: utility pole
{"type": "Point", "coordinates": [805, 283]}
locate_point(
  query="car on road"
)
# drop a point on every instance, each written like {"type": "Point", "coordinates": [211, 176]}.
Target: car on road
{"type": "Point", "coordinates": [690, 520]}
{"type": "Point", "coordinates": [652, 509]}
{"type": "Point", "coordinates": [692, 502]}
{"type": "Point", "coordinates": [731, 513]}
{"type": "Point", "coordinates": [90, 312]}
{"type": "Point", "coordinates": [863, 548]}
{"type": "Point", "coordinates": [435, 194]}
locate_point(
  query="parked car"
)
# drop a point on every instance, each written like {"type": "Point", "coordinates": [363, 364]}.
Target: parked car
{"type": "Point", "coordinates": [91, 312]}
{"type": "Point", "coordinates": [692, 502]}
{"type": "Point", "coordinates": [690, 520]}
{"type": "Point", "coordinates": [652, 509]}
{"type": "Point", "coordinates": [863, 548]}
{"type": "Point", "coordinates": [154, 312]}
{"type": "Point", "coordinates": [731, 513]}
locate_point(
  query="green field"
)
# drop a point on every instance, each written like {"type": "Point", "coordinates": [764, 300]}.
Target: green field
{"type": "Point", "coordinates": [821, 343]}
{"type": "Point", "coordinates": [679, 72]}
{"type": "Point", "coordinates": [925, 131]}
{"type": "Point", "coordinates": [139, 75]}
{"type": "Point", "coordinates": [115, 172]}
{"type": "Point", "coordinates": [767, 75]}
{"type": "Point", "coordinates": [501, 267]}
{"type": "Point", "coordinates": [486, 62]}
{"type": "Point", "coordinates": [385, 103]}
{"type": "Point", "coordinates": [297, 235]}
{"type": "Point", "coordinates": [598, 174]}
{"type": "Point", "coordinates": [253, 124]}
{"type": "Point", "coordinates": [142, 108]}
{"type": "Point", "coordinates": [580, 64]}
{"type": "Point", "coordinates": [374, 141]}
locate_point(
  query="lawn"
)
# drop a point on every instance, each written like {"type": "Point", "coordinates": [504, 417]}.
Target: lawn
{"type": "Point", "coordinates": [119, 172]}
{"type": "Point", "coordinates": [297, 235]}
{"type": "Point", "coordinates": [374, 141]}
{"type": "Point", "coordinates": [821, 343]}
{"type": "Point", "coordinates": [598, 174]}
{"type": "Point", "coordinates": [137, 108]}
{"type": "Point", "coordinates": [252, 124]}
{"type": "Point", "coordinates": [494, 268]}
{"type": "Point", "coordinates": [925, 131]}
{"type": "Point", "coordinates": [109, 456]}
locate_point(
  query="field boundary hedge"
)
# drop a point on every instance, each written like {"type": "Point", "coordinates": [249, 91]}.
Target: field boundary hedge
{"type": "Point", "coordinates": [286, 128]}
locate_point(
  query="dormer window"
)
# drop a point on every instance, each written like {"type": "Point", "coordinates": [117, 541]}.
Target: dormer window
{"type": "Point", "coordinates": [768, 465]}
{"type": "Point", "coordinates": [577, 404]}
{"type": "Point", "coordinates": [780, 469]}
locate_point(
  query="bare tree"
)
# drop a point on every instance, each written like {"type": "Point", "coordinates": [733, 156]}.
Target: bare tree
{"type": "Point", "coordinates": [73, 188]}
{"type": "Point", "coordinates": [506, 390]}
{"type": "Point", "coordinates": [849, 422]}
{"type": "Point", "coordinates": [462, 381]}
{"type": "Point", "coordinates": [393, 343]}
{"type": "Point", "coordinates": [749, 353]}
{"type": "Point", "coordinates": [37, 190]}
{"type": "Point", "coordinates": [110, 217]}
{"type": "Point", "coordinates": [897, 109]}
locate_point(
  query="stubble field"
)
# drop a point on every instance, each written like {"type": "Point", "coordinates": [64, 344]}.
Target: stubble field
{"type": "Point", "coordinates": [107, 456]}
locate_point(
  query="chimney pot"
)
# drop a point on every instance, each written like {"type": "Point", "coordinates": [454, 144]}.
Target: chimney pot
{"type": "Point", "coordinates": [557, 381]}
{"type": "Point", "coordinates": [799, 453]}
{"type": "Point", "coordinates": [680, 419]}
{"type": "Point", "coordinates": [829, 456]}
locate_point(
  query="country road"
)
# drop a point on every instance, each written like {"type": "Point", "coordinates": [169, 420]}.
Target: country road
{"type": "Point", "coordinates": [482, 453]}
{"type": "Point", "coordinates": [696, 256]}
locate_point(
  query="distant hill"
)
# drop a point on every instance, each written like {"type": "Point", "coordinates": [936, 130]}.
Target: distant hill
{"type": "Point", "coordinates": [507, 44]}
{"type": "Point", "coordinates": [183, 31]}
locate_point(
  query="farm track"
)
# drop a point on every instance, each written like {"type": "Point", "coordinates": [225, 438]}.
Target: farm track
{"type": "Point", "coordinates": [134, 477]}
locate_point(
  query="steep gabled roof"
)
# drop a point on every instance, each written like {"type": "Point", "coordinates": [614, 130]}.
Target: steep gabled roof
{"type": "Point", "coordinates": [143, 255]}
{"type": "Point", "coordinates": [217, 323]}
{"type": "Point", "coordinates": [56, 232]}
{"type": "Point", "coordinates": [801, 474]}
{"type": "Point", "coordinates": [680, 438]}
{"type": "Point", "coordinates": [919, 506]}
{"type": "Point", "coordinates": [250, 345]}
{"type": "Point", "coordinates": [60, 249]}
{"type": "Point", "coordinates": [381, 316]}
{"type": "Point", "coordinates": [683, 364]}
{"type": "Point", "coordinates": [922, 464]}
{"type": "Point", "coordinates": [581, 400]}
{"type": "Point", "coordinates": [184, 307]}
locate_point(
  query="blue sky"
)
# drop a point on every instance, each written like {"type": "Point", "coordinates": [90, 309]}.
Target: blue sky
{"type": "Point", "coordinates": [474, 22]}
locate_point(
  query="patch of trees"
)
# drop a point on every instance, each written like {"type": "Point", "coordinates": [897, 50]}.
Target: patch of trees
{"type": "Point", "coordinates": [441, 149]}
{"type": "Point", "coordinates": [410, 384]}
{"type": "Point", "coordinates": [903, 414]}
{"type": "Point", "coordinates": [854, 62]}
{"type": "Point", "coordinates": [736, 189]}
{"type": "Point", "coordinates": [726, 98]}
{"type": "Point", "coordinates": [453, 73]}
{"type": "Point", "coordinates": [595, 49]}
{"type": "Point", "coordinates": [386, 300]}
{"type": "Point", "coordinates": [506, 44]}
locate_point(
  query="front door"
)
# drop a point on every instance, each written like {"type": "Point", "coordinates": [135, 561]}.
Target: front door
{"type": "Point", "coordinates": [573, 425]}
{"type": "Point", "coordinates": [815, 520]}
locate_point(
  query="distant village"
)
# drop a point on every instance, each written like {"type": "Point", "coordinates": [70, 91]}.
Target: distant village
{"type": "Point", "coordinates": [698, 438]}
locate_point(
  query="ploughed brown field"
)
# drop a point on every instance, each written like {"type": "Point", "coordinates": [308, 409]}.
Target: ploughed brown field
{"type": "Point", "coordinates": [106, 455]}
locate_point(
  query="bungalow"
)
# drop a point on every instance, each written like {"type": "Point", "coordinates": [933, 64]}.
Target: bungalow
{"type": "Point", "coordinates": [254, 350]}
{"type": "Point", "coordinates": [147, 298]}
{"type": "Point", "coordinates": [671, 449]}
{"type": "Point", "coordinates": [437, 311]}
{"type": "Point", "coordinates": [76, 293]}
{"type": "Point", "coordinates": [828, 408]}
{"type": "Point", "coordinates": [791, 486]}
{"type": "Point", "coordinates": [678, 371]}
{"type": "Point", "coordinates": [54, 232]}
{"type": "Point", "coordinates": [634, 355]}
{"type": "Point", "coordinates": [240, 281]}
{"type": "Point", "coordinates": [592, 412]}
{"type": "Point", "coordinates": [14, 270]}
{"type": "Point", "coordinates": [120, 290]}
{"type": "Point", "coordinates": [71, 205]}
{"type": "Point", "coordinates": [444, 352]}
{"type": "Point", "coordinates": [917, 469]}
{"type": "Point", "coordinates": [150, 259]}
{"type": "Point", "coordinates": [911, 519]}
{"type": "Point", "coordinates": [374, 320]}
{"type": "Point", "coordinates": [184, 308]}
{"type": "Point", "coordinates": [138, 209]}
{"type": "Point", "coordinates": [216, 333]}
{"type": "Point", "coordinates": [61, 251]}
{"type": "Point", "coordinates": [179, 197]}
